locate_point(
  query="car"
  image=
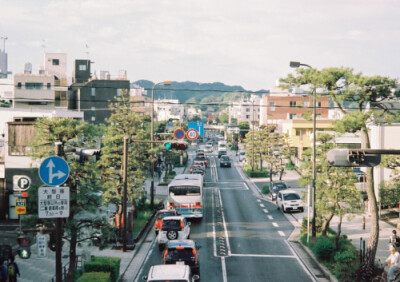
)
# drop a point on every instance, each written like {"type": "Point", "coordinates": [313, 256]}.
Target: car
{"type": "Point", "coordinates": [201, 155]}
{"type": "Point", "coordinates": [242, 155]}
{"type": "Point", "coordinates": [160, 216]}
{"type": "Point", "coordinates": [200, 162]}
{"type": "Point", "coordinates": [183, 251]}
{"type": "Point", "coordinates": [221, 153]}
{"type": "Point", "coordinates": [289, 200]}
{"type": "Point", "coordinates": [225, 161]}
{"type": "Point", "coordinates": [198, 151]}
{"type": "Point", "coordinates": [208, 148]}
{"type": "Point", "coordinates": [173, 228]}
{"type": "Point", "coordinates": [197, 170]}
{"type": "Point", "coordinates": [170, 272]}
{"type": "Point", "coordinates": [275, 188]}
{"type": "Point", "coordinates": [194, 144]}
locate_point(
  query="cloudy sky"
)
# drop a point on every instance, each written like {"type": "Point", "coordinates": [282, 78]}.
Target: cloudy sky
{"type": "Point", "coordinates": [236, 42]}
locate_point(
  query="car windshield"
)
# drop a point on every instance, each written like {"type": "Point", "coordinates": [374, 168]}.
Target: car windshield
{"type": "Point", "coordinates": [167, 224]}
{"type": "Point", "coordinates": [292, 196]}
{"type": "Point", "coordinates": [242, 153]}
{"type": "Point", "coordinates": [184, 190]}
{"type": "Point", "coordinates": [279, 186]}
{"type": "Point", "coordinates": [225, 158]}
{"type": "Point", "coordinates": [183, 254]}
{"type": "Point", "coordinates": [164, 214]}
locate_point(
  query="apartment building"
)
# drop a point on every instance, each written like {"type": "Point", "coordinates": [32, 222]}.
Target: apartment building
{"type": "Point", "coordinates": [166, 109]}
{"type": "Point", "coordinates": [246, 109]}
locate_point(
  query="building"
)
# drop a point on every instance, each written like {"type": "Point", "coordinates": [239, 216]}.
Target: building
{"type": "Point", "coordinates": [16, 132]}
{"type": "Point", "coordinates": [246, 109]}
{"type": "Point", "coordinates": [139, 99]}
{"type": "Point", "coordinates": [166, 109]}
{"type": "Point", "coordinates": [94, 96]}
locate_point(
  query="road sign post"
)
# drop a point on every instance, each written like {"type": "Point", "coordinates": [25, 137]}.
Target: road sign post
{"type": "Point", "coordinates": [53, 202]}
{"type": "Point", "coordinates": [54, 171]}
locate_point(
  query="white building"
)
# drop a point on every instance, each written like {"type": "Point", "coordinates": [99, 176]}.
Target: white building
{"type": "Point", "coordinates": [166, 109]}
{"type": "Point", "coordinates": [247, 109]}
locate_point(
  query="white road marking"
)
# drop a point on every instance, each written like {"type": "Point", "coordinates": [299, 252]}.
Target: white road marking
{"type": "Point", "coordinates": [300, 262]}
{"type": "Point", "coordinates": [247, 187]}
{"type": "Point", "coordinates": [223, 265]}
{"type": "Point", "coordinates": [258, 200]}
{"type": "Point", "coordinates": [281, 233]}
{"type": "Point", "coordinates": [265, 210]}
{"type": "Point", "coordinates": [213, 227]}
{"type": "Point", "coordinates": [262, 205]}
{"type": "Point", "coordinates": [270, 217]}
{"type": "Point", "coordinates": [223, 221]}
{"type": "Point", "coordinates": [275, 224]}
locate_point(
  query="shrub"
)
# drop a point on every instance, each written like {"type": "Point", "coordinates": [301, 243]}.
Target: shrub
{"type": "Point", "coordinates": [344, 257]}
{"type": "Point", "coordinates": [104, 264]}
{"type": "Point", "coordinates": [290, 166]}
{"type": "Point", "coordinates": [95, 276]}
{"type": "Point", "coordinates": [324, 248]}
{"type": "Point", "coordinates": [265, 189]}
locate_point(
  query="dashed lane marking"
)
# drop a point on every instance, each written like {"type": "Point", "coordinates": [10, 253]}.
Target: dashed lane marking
{"type": "Point", "coordinates": [281, 233]}
{"type": "Point", "coordinates": [270, 217]}
{"type": "Point", "coordinates": [265, 210]}
{"type": "Point", "coordinates": [275, 224]}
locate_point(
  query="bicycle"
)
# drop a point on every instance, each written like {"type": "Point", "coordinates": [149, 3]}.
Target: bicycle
{"type": "Point", "coordinates": [382, 276]}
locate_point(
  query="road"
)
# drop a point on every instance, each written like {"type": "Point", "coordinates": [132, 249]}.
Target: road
{"type": "Point", "coordinates": [242, 238]}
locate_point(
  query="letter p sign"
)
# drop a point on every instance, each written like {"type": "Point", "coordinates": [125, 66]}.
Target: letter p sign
{"type": "Point", "coordinates": [21, 182]}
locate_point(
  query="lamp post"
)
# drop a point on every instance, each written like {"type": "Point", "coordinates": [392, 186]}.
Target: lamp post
{"type": "Point", "coordinates": [314, 229]}
{"type": "Point", "coordinates": [152, 139]}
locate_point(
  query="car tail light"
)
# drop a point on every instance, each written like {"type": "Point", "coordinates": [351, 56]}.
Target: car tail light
{"type": "Point", "coordinates": [165, 254]}
{"type": "Point", "coordinates": [182, 225]}
{"type": "Point", "coordinates": [198, 203]}
{"type": "Point", "coordinates": [194, 253]}
{"type": "Point", "coordinates": [180, 248]}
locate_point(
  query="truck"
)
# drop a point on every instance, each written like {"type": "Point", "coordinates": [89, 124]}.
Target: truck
{"type": "Point", "coordinates": [222, 145]}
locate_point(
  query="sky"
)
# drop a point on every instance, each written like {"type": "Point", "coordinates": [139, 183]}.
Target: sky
{"type": "Point", "coordinates": [237, 42]}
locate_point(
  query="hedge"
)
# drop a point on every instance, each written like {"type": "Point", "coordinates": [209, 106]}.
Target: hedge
{"type": "Point", "coordinates": [95, 276]}
{"type": "Point", "coordinates": [104, 264]}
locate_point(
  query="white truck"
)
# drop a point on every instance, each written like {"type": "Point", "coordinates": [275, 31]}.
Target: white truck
{"type": "Point", "coordinates": [222, 145]}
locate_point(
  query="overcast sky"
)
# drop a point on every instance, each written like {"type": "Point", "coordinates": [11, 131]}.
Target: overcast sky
{"type": "Point", "coordinates": [236, 42]}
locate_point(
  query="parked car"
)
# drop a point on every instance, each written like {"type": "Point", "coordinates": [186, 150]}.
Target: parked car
{"type": "Point", "coordinates": [275, 187]}
{"type": "Point", "coordinates": [160, 216]}
{"type": "Point", "coordinates": [221, 153]}
{"type": "Point", "coordinates": [225, 161]}
{"type": "Point", "coordinates": [242, 155]}
{"type": "Point", "coordinates": [170, 272]}
{"type": "Point", "coordinates": [173, 228]}
{"type": "Point", "coordinates": [289, 200]}
{"type": "Point", "coordinates": [182, 251]}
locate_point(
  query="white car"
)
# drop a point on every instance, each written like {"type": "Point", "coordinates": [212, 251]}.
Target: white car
{"type": "Point", "coordinates": [173, 228]}
{"type": "Point", "coordinates": [289, 200]}
{"type": "Point", "coordinates": [170, 272]}
{"type": "Point", "coordinates": [208, 148]}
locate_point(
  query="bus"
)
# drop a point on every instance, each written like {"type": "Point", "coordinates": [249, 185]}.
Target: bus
{"type": "Point", "coordinates": [185, 195]}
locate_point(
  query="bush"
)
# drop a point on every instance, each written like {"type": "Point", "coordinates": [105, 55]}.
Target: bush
{"type": "Point", "coordinates": [104, 264]}
{"type": "Point", "coordinates": [265, 189]}
{"type": "Point", "coordinates": [290, 166]}
{"type": "Point", "coordinates": [95, 276]}
{"type": "Point", "coordinates": [345, 257]}
{"type": "Point", "coordinates": [324, 248]}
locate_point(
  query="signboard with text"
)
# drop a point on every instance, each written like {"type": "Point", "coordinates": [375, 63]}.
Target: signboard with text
{"type": "Point", "coordinates": [53, 202]}
{"type": "Point", "coordinates": [20, 206]}
{"type": "Point", "coordinates": [41, 242]}
{"type": "Point", "coordinates": [198, 126]}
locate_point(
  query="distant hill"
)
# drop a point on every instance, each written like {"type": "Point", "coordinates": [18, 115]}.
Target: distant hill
{"type": "Point", "coordinates": [197, 93]}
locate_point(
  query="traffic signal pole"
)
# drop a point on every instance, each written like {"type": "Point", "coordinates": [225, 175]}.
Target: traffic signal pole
{"type": "Point", "coordinates": [59, 228]}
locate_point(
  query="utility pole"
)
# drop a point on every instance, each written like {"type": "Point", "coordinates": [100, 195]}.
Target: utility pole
{"type": "Point", "coordinates": [59, 223]}
{"type": "Point", "coordinates": [125, 180]}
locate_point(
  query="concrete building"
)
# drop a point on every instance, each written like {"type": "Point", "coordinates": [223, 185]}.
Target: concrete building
{"type": "Point", "coordinates": [16, 132]}
{"type": "Point", "coordinates": [246, 109]}
{"type": "Point", "coordinates": [166, 109]}
{"type": "Point", "coordinates": [93, 96]}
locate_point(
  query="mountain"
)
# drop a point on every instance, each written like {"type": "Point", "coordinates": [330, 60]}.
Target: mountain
{"type": "Point", "coordinates": [195, 93]}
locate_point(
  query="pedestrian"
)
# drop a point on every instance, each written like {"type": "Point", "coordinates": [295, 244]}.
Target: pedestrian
{"type": "Point", "coordinates": [12, 270]}
{"type": "Point", "coordinates": [3, 272]}
{"type": "Point", "coordinates": [159, 171]}
{"type": "Point", "coordinates": [393, 263]}
{"type": "Point", "coordinates": [394, 240]}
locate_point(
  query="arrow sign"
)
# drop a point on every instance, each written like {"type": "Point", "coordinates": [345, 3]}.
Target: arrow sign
{"type": "Point", "coordinates": [54, 171]}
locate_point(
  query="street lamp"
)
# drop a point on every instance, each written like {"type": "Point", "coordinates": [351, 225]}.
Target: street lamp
{"type": "Point", "coordinates": [314, 229]}
{"type": "Point", "coordinates": [152, 139]}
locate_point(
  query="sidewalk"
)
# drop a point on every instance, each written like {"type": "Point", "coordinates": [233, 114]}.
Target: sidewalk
{"type": "Point", "coordinates": [43, 269]}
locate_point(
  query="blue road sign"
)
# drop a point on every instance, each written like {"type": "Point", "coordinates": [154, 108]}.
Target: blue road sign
{"type": "Point", "coordinates": [179, 134]}
{"type": "Point", "coordinates": [198, 125]}
{"type": "Point", "coordinates": [54, 171]}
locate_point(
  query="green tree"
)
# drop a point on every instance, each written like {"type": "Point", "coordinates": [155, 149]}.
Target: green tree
{"type": "Point", "coordinates": [124, 123]}
{"type": "Point", "coordinates": [223, 118]}
{"type": "Point", "coordinates": [244, 127]}
{"type": "Point", "coordinates": [83, 222]}
{"type": "Point", "coordinates": [362, 100]}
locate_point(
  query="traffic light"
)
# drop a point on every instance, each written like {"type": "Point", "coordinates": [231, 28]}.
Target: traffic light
{"type": "Point", "coordinates": [24, 250]}
{"type": "Point", "coordinates": [52, 241]}
{"type": "Point", "coordinates": [85, 154]}
{"type": "Point", "coordinates": [177, 145]}
{"type": "Point", "coordinates": [352, 158]}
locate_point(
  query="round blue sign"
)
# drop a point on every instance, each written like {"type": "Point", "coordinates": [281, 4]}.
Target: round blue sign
{"type": "Point", "coordinates": [179, 134]}
{"type": "Point", "coordinates": [54, 171]}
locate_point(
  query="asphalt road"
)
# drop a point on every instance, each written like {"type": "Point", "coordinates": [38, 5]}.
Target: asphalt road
{"type": "Point", "coordinates": [242, 238]}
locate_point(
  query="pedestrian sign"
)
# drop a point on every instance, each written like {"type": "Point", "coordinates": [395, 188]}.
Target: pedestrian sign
{"type": "Point", "coordinates": [20, 206]}
{"type": "Point", "coordinates": [53, 202]}
{"type": "Point", "coordinates": [54, 171]}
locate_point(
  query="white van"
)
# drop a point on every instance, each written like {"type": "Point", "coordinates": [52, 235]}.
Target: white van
{"type": "Point", "coordinates": [170, 272]}
{"type": "Point", "coordinates": [222, 145]}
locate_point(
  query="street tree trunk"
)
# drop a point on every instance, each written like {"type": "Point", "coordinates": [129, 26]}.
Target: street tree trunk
{"type": "Point", "coordinates": [325, 224]}
{"type": "Point", "coordinates": [72, 255]}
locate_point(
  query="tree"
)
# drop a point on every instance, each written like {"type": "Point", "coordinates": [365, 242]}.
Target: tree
{"type": "Point", "coordinates": [361, 99]}
{"type": "Point", "coordinates": [223, 118]}
{"type": "Point", "coordinates": [124, 123]}
{"type": "Point", "coordinates": [244, 127]}
{"type": "Point", "coordinates": [83, 222]}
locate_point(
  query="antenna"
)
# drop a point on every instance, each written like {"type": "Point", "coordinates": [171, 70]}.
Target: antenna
{"type": "Point", "coordinates": [87, 51]}
{"type": "Point", "coordinates": [44, 45]}
{"type": "Point", "coordinates": [4, 38]}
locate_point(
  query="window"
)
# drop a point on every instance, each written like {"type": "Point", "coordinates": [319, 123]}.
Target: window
{"type": "Point", "coordinates": [93, 118]}
{"type": "Point", "coordinates": [82, 67]}
{"type": "Point", "coordinates": [48, 85]}
{"type": "Point", "coordinates": [247, 110]}
{"type": "Point", "coordinates": [291, 116]}
{"type": "Point", "coordinates": [56, 62]}
{"type": "Point", "coordinates": [319, 104]}
{"type": "Point", "coordinates": [19, 85]}
{"type": "Point", "coordinates": [306, 104]}
{"type": "Point", "coordinates": [119, 92]}
{"type": "Point", "coordinates": [247, 116]}
{"type": "Point", "coordinates": [272, 106]}
{"type": "Point", "coordinates": [93, 91]}
{"type": "Point", "coordinates": [34, 85]}
{"type": "Point", "coordinates": [93, 108]}
{"type": "Point", "coordinates": [292, 104]}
